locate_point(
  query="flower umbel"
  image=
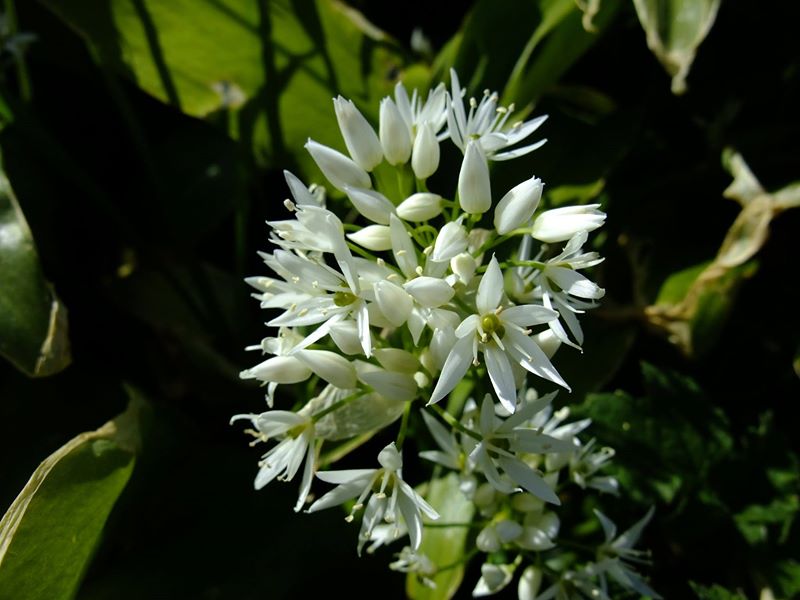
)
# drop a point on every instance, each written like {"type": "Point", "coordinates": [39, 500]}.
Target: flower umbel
{"type": "Point", "coordinates": [395, 287]}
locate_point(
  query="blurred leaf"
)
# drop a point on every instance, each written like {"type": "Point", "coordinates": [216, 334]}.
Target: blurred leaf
{"type": "Point", "coordinates": [667, 439]}
{"type": "Point", "coordinates": [269, 69]}
{"type": "Point", "coordinates": [444, 546]}
{"type": "Point", "coordinates": [754, 522]}
{"type": "Point", "coordinates": [787, 578]}
{"type": "Point", "coordinates": [715, 592]}
{"type": "Point", "coordinates": [33, 321]}
{"type": "Point", "coordinates": [574, 194]}
{"type": "Point", "coordinates": [675, 29]}
{"type": "Point", "coordinates": [546, 38]}
{"type": "Point", "coordinates": [50, 532]}
{"type": "Point", "coordinates": [693, 304]}
{"type": "Point", "coordinates": [552, 50]}
{"type": "Point", "coordinates": [796, 362]}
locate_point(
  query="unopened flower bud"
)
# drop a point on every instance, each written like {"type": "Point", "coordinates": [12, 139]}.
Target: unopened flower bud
{"type": "Point", "coordinates": [452, 240]}
{"type": "Point", "coordinates": [430, 292]}
{"type": "Point", "coordinates": [332, 367]}
{"type": "Point", "coordinates": [394, 134]}
{"type": "Point", "coordinates": [337, 168]}
{"type": "Point", "coordinates": [425, 156]}
{"type": "Point", "coordinates": [373, 205]}
{"type": "Point", "coordinates": [474, 188]}
{"type": "Point", "coordinates": [560, 224]}
{"type": "Point", "coordinates": [278, 369]}
{"type": "Point", "coordinates": [394, 302]}
{"type": "Point", "coordinates": [529, 583]}
{"type": "Point", "coordinates": [517, 206]}
{"type": "Point", "coordinates": [464, 266]}
{"type": "Point", "coordinates": [359, 137]}
{"type": "Point", "coordinates": [373, 237]}
{"type": "Point", "coordinates": [420, 207]}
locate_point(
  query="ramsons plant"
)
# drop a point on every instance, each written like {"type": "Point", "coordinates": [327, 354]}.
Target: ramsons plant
{"type": "Point", "coordinates": [387, 309]}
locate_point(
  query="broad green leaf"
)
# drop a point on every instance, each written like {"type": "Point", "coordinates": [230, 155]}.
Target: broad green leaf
{"type": "Point", "coordinates": [675, 29]}
{"type": "Point", "coordinates": [267, 69]}
{"type": "Point", "coordinates": [444, 546]}
{"type": "Point", "coordinates": [50, 532]}
{"type": "Point", "coordinates": [33, 321]}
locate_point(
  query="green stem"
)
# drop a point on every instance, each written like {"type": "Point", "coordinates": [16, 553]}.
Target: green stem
{"type": "Point", "coordinates": [23, 77]}
{"type": "Point", "coordinates": [401, 436]}
{"type": "Point", "coordinates": [472, 525]}
{"type": "Point", "coordinates": [454, 423]}
{"type": "Point", "coordinates": [337, 405]}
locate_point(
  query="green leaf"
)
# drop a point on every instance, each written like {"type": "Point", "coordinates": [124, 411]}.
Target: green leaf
{"type": "Point", "coordinates": [754, 522]}
{"type": "Point", "coordinates": [555, 46]}
{"type": "Point", "coordinates": [50, 532]}
{"type": "Point", "coordinates": [268, 70]}
{"type": "Point", "coordinates": [675, 29]}
{"type": "Point", "coordinates": [693, 304]}
{"type": "Point", "coordinates": [33, 321]}
{"type": "Point", "coordinates": [444, 546]}
{"type": "Point", "coordinates": [715, 592]}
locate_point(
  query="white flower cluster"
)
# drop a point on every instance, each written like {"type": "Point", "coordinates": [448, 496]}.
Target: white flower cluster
{"type": "Point", "coordinates": [423, 285]}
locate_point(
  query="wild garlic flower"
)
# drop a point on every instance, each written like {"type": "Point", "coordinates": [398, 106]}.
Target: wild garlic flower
{"type": "Point", "coordinates": [388, 498]}
{"type": "Point", "coordinates": [396, 293]}
{"type": "Point", "coordinates": [487, 125]}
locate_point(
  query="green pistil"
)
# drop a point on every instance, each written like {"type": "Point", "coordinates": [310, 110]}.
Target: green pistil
{"type": "Point", "coordinates": [344, 298]}
{"type": "Point", "coordinates": [491, 324]}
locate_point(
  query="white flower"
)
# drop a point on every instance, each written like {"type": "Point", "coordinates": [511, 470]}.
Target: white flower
{"type": "Point", "coordinates": [493, 579]}
{"type": "Point", "coordinates": [416, 113]}
{"type": "Point", "coordinates": [486, 123]}
{"type": "Point", "coordinates": [409, 561]}
{"type": "Point", "coordinates": [517, 206]}
{"type": "Point", "coordinates": [502, 442]}
{"type": "Point", "coordinates": [359, 137]}
{"type": "Point", "coordinates": [586, 462]}
{"type": "Point", "coordinates": [501, 334]}
{"type": "Point", "coordinates": [560, 224]}
{"type": "Point", "coordinates": [283, 461]}
{"type": "Point", "coordinates": [340, 170]}
{"type": "Point", "coordinates": [394, 133]}
{"type": "Point", "coordinates": [391, 494]}
{"type": "Point", "coordinates": [557, 284]}
{"type": "Point", "coordinates": [618, 553]}
{"type": "Point", "coordinates": [474, 186]}
{"type": "Point", "coordinates": [318, 295]}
